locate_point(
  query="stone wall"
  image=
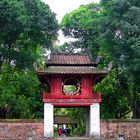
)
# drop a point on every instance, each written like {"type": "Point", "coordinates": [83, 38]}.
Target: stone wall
{"type": "Point", "coordinates": [109, 129]}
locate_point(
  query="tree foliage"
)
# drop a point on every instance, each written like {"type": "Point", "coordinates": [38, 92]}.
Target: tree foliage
{"type": "Point", "coordinates": [115, 103]}
{"type": "Point", "coordinates": [120, 29]}
{"type": "Point", "coordinates": [25, 25]}
{"type": "Point", "coordinates": [19, 96]}
{"type": "Point", "coordinates": [111, 30]}
{"type": "Point", "coordinates": [82, 24]}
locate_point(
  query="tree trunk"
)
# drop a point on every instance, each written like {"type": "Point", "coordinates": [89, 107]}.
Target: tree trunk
{"type": "Point", "coordinates": [136, 112]}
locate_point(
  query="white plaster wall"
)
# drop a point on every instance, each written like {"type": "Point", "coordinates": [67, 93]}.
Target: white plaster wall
{"type": "Point", "coordinates": [48, 120]}
{"type": "Point", "coordinates": [95, 120]}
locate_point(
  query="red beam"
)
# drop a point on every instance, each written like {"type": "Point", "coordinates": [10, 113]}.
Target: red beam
{"type": "Point", "coordinates": [71, 105]}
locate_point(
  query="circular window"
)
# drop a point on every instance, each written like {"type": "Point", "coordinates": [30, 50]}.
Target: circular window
{"type": "Point", "coordinates": [71, 86]}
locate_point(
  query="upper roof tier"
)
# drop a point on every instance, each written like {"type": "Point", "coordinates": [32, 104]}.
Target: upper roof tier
{"type": "Point", "coordinates": [61, 63]}
{"type": "Point", "coordinates": [69, 59]}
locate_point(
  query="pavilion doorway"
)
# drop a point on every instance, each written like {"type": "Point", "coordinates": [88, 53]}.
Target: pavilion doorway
{"type": "Point", "coordinates": [92, 120]}
{"type": "Point", "coordinates": [73, 119]}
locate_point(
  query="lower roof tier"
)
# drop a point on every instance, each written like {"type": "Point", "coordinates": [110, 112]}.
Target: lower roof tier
{"type": "Point", "coordinates": [72, 69]}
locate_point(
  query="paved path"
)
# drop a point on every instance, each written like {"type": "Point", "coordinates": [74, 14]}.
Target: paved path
{"type": "Point", "coordinates": [79, 138]}
{"type": "Point", "coordinates": [72, 138]}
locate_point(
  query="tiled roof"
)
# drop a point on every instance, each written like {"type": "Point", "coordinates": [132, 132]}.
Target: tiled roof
{"type": "Point", "coordinates": [71, 64]}
{"type": "Point", "coordinates": [63, 120]}
{"type": "Point", "coordinates": [72, 70]}
{"type": "Point", "coordinates": [70, 59]}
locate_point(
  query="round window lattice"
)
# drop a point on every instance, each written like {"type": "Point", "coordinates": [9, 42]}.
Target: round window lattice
{"type": "Point", "coordinates": [71, 86]}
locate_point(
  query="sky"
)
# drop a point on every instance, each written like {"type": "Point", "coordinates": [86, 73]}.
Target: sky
{"type": "Point", "coordinates": [61, 7]}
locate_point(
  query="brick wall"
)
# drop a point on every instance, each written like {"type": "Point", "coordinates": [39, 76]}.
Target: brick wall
{"type": "Point", "coordinates": [20, 131]}
{"type": "Point", "coordinates": [113, 128]}
{"type": "Point", "coordinates": [109, 129]}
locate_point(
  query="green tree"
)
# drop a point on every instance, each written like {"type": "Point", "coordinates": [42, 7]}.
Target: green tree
{"type": "Point", "coordinates": [19, 95]}
{"type": "Point", "coordinates": [82, 24]}
{"type": "Point", "coordinates": [111, 30]}
{"type": "Point", "coordinates": [79, 115]}
{"type": "Point", "coordinates": [25, 25]}
{"type": "Point", "coordinates": [120, 31]}
{"type": "Point", "coordinates": [115, 103]}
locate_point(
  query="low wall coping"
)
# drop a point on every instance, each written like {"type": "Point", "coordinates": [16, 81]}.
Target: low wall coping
{"type": "Point", "coordinates": [21, 120]}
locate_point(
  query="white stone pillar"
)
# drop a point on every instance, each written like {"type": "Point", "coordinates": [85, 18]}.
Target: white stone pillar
{"type": "Point", "coordinates": [94, 120]}
{"type": "Point", "coordinates": [48, 120]}
{"type": "Point", "coordinates": [87, 122]}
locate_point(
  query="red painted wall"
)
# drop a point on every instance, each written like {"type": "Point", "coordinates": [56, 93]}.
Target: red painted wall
{"type": "Point", "coordinates": [109, 129]}
{"type": "Point", "coordinates": [56, 84]}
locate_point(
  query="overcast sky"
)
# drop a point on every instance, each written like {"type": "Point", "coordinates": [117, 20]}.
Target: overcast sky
{"type": "Point", "coordinates": [61, 7]}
